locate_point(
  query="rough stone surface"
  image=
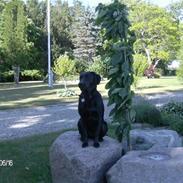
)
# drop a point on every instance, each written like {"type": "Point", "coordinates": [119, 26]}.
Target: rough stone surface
{"type": "Point", "coordinates": [141, 126]}
{"type": "Point", "coordinates": [144, 139]}
{"type": "Point", "coordinates": [163, 165]}
{"type": "Point", "coordinates": [70, 163]}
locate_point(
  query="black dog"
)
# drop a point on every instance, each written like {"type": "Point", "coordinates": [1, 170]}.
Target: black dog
{"type": "Point", "coordinates": [91, 110]}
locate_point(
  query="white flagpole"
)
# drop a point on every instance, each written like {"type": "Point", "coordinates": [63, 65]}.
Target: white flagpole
{"type": "Point", "coordinates": [50, 74]}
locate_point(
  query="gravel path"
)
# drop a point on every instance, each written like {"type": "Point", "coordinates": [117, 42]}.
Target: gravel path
{"type": "Point", "coordinates": [17, 123]}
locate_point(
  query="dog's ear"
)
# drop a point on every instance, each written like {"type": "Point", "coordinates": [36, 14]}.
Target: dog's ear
{"type": "Point", "coordinates": [97, 78]}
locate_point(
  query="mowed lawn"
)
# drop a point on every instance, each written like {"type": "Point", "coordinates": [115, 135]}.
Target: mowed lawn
{"type": "Point", "coordinates": [29, 94]}
{"type": "Point", "coordinates": [30, 158]}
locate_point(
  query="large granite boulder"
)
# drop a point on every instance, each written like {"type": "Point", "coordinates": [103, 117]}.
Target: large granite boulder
{"type": "Point", "coordinates": [163, 165]}
{"type": "Point", "coordinates": [144, 139]}
{"type": "Point", "coordinates": [70, 163]}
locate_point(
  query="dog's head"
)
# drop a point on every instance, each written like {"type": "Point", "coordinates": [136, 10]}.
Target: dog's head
{"type": "Point", "coordinates": [88, 81]}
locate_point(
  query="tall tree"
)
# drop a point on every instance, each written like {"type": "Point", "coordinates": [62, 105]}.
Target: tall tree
{"type": "Point", "coordinates": [2, 65]}
{"type": "Point", "coordinates": [84, 32]}
{"type": "Point", "coordinates": [37, 34]}
{"type": "Point", "coordinates": [177, 10]}
{"type": "Point", "coordinates": [14, 36]}
{"type": "Point", "coordinates": [156, 31]}
{"type": "Point", "coordinates": [61, 29]}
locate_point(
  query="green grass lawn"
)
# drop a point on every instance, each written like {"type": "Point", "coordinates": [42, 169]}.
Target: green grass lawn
{"type": "Point", "coordinates": [30, 159]}
{"type": "Point", "coordinates": [161, 85]}
{"type": "Point", "coordinates": [37, 93]}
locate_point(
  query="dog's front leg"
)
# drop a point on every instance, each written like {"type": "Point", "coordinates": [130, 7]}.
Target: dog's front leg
{"type": "Point", "coordinates": [97, 133]}
{"type": "Point", "coordinates": [84, 135]}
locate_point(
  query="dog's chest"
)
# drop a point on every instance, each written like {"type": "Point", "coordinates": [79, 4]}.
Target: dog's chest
{"type": "Point", "coordinates": [85, 105]}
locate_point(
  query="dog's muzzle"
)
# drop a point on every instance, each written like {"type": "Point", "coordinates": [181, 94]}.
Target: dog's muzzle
{"type": "Point", "coordinates": [81, 86]}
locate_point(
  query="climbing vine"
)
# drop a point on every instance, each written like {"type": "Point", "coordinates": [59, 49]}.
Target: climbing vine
{"type": "Point", "coordinates": [118, 45]}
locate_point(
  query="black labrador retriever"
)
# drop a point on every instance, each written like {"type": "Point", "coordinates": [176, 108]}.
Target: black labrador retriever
{"type": "Point", "coordinates": [91, 110]}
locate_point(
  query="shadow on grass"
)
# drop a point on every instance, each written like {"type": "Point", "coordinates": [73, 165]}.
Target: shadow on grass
{"type": "Point", "coordinates": [148, 87]}
{"type": "Point", "coordinates": [178, 91]}
{"type": "Point", "coordinates": [34, 96]}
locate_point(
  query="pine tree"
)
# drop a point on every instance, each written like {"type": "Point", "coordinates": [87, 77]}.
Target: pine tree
{"type": "Point", "coordinates": [84, 32]}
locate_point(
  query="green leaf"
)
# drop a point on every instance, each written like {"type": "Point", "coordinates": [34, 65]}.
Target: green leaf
{"type": "Point", "coordinates": [116, 59]}
{"type": "Point", "coordinates": [113, 71]}
{"type": "Point", "coordinates": [116, 90]}
{"type": "Point", "coordinates": [112, 111]}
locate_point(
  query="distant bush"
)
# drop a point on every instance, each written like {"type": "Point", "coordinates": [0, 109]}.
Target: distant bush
{"type": "Point", "coordinates": [139, 67]}
{"type": "Point", "coordinates": [80, 66]}
{"type": "Point", "coordinates": [179, 72]}
{"type": "Point", "coordinates": [157, 75]}
{"type": "Point", "coordinates": [148, 113]}
{"type": "Point", "coordinates": [31, 75]}
{"type": "Point", "coordinates": [7, 76]}
{"type": "Point", "coordinates": [99, 66]}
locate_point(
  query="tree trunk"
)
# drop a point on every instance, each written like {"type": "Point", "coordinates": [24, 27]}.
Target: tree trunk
{"type": "Point", "coordinates": [148, 56]}
{"type": "Point", "coordinates": [16, 70]}
{"type": "Point", "coordinates": [65, 84]}
{"type": "Point", "coordinates": [156, 63]}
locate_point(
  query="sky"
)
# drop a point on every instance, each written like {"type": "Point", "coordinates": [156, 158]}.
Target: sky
{"type": "Point", "coordinates": [94, 3]}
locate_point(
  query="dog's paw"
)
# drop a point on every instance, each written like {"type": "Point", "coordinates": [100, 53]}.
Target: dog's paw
{"type": "Point", "coordinates": [85, 144]}
{"type": "Point", "coordinates": [96, 144]}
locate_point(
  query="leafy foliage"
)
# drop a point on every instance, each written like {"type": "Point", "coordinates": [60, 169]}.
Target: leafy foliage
{"type": "Point", "coordinates": [66, 93]}
{"type": "Point", "coordinates": [14, 40]}
{"type": "Point", "coordinates": [173, 108]}
{"type": "Point", "coordinates": [61, 21]}
{"type": "Point", "coordinates": [139, 66]}
{"type": "Point", "coordinates": [113, 19]}
{"type": "Point", "coordinates": [148, 113]}
{"type": "Point", "coordinates": [172, 114]}
{"type": "Point", "coordinates": [80, 66]}
{"type": "Point", "coordinates": [156, 30]}
{"type": "Point", "coordinates": [36, 34]}
{"type": "Point", "coordinates": [28, 75]}
{"type": "Point", "coordinates": [99, 66]}
{"type": "Point", "coordinates": [64, 66]}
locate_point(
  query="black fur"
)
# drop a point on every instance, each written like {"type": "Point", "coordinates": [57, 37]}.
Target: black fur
{"type": "Point", "coordinates": [91, 110]}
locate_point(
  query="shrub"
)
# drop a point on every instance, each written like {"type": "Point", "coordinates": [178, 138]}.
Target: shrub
{"type": "Point", "coordinates": [179, 72]}
{"type": "Point", "coordinates": [173, 116]}
{"type": "Point", "coordinates": [148, 113]}
{"type": "Point", "coordinates": [66, 93]}
{"type": "Point", "coordinates": [174, 121]}
{"type": "Point", "coordinates": [175, 108]}
{"type": "Point", "coordinates": [30, 75]}
{"type": "Point", "coordinates": [80, 66]}
{"type": "Point", "coordinates": [157, 75]}
{"type": "Point", "coordinates": [64, 67]}
{"type": "Point", "coordinates": [7, 76]}
{"type": "Point", "coordinates": [99, 66]}
{"type": "Point", "coordinates": [139, 67]}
